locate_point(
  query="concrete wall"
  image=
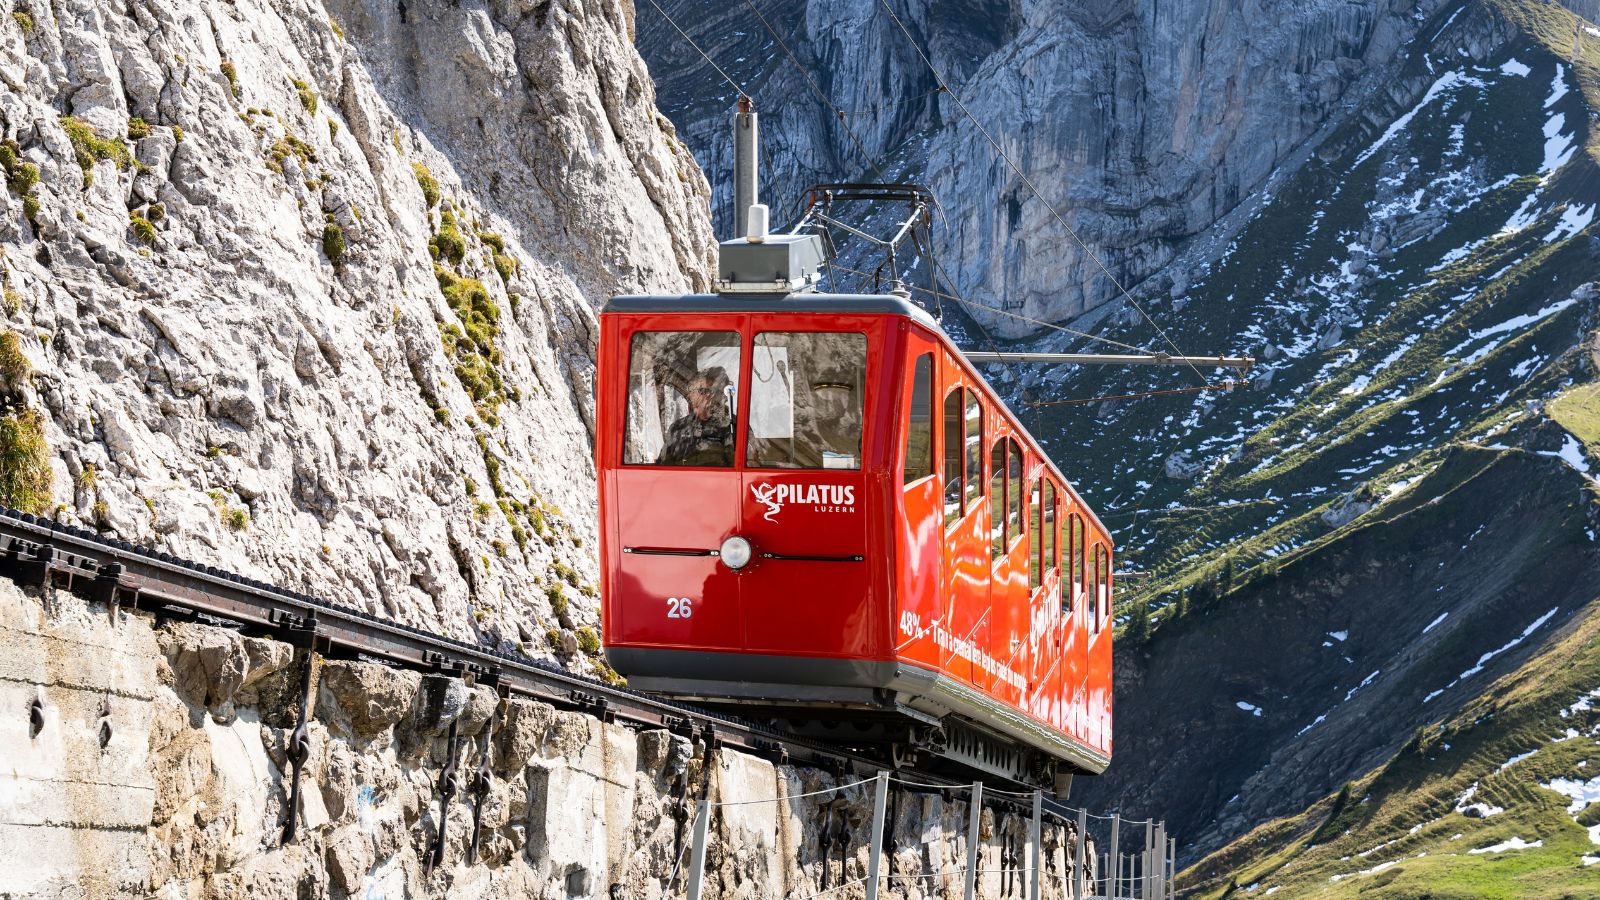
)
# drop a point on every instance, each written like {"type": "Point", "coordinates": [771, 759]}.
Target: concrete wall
{"type": "Point", "coordinates": [160, 771]}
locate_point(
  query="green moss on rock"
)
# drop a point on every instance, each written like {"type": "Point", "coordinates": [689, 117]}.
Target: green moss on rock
{"type": "Point", "coordinates": [333, 242]}
{"type": "Point", "coordinates": [143, 228]}
{"type": "Point", "coordinates": [425, 179]}
{"type": "Point", "coordinates": [448, 244]}
{"type": "Point", "coordinates": [88, 147]}
{"type": "Point", "coordinates": [308, 97]}
{"type": "Point", "coordinates": [25, 476]}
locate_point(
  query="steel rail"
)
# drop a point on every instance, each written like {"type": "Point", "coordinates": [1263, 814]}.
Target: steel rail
{"type": "Point", "coordinates": [41, 552]}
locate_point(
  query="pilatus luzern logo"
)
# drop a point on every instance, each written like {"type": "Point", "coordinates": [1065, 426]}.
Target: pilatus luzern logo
{"type": "Point", "coordinates": [820, 497]}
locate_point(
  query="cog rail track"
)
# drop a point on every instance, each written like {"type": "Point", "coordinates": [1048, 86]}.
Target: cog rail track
{"type": "Point", "coordinates": [40, 552]}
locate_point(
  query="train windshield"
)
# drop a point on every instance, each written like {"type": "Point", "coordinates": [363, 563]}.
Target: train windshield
{"type": "Point", "coordinates": [806, 400]}
{"type": "Point", "coordinates": [681, 398]}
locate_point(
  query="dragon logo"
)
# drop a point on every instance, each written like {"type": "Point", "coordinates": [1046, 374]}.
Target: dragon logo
{"type": "Point", "coordinates": [764, 495]}
{"type": "Point", "coordinates": [831, 498]}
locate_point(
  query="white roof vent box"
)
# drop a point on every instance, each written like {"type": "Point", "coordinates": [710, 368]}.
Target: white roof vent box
{"type": "Point", "coordinates": [770, 264]}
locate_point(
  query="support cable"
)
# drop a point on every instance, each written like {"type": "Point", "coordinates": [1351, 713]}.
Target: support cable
{"type": "Point", "coordinates": [1222, 386]}
{"type": "Point", "coordinates": [704, 55]}
{"type": "Point", "coordinates": [943, 295]}
{"type": "Point", "coordinates": [1029, 182]}
{"type": "Point", "coordinates": [827, 101]}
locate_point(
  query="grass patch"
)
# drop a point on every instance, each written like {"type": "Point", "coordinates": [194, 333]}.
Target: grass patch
{"type": "Point", "coordinates": [448, 244]}
{"type": "Point", "coordinates": [21, 176]}
{"type": "Point", "coordinates": [425, 179]}
{"type": "Point", "coordinates": [308, 97]}
{"type": "Point", "coordinates": [287, 146]}
{"type": "Point", "coordinates": [25, 476]}
{"type": "Point", "coordinates": [24, 20]}
{"type": "Point", "coordinates": [88, 147]}
{"type": "Point", "coordinates": [333, 243]}
{"type": "Point", "coordinates": [1578, 411]}
{"type": "Point", "coordinates": [138, 129]}
{"type": "Point", "coordinates": [143, 228]}
{"type": "Point", "coordinates": [232, 74]}
{"type": "Point", "coordinates": [15, 368]}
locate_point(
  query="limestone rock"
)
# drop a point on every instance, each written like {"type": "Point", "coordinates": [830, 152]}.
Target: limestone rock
{"type": "Point", "coordinates": [371, 697]}
{"type": "Point", "coordinates": [256, 363]}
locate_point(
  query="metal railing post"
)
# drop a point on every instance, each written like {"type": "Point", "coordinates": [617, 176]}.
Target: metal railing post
{"type": "Point", "coordinates": [880, 803]}
{"type": "Point", "coordinates": [697, 849]}
{"type": "Point", "coordinates": [974, 819]}
{"type": "Point", "coordinates": [1160, 852]}
{"type": "Point", "coordinates": [1172, 867]}
{"type": "Point", "coordinates": [1079, 855]}
{"type": "Point", "coordinates": [1147, 888]}
{"type": "Point", "coordinates": [1036, 862]}
{"type": "Point", "coordinates": [1116, 861]}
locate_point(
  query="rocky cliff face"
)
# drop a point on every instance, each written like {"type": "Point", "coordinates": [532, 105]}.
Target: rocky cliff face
{"type": "Point", "coordinates": [1143, 123]}
{"type": "Point", "coordinates": [307, 289]}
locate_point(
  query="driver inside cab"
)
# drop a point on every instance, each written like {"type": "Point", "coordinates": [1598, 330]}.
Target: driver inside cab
{"type": "Point", "coordinates": [703, 436]}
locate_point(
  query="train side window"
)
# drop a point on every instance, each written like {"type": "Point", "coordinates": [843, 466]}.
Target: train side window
{"type": "Point", "coordinates": [1094, 591]}
{"type": "Point", "coordinates": [806, 390]}
{"type": "Point", "coordinates": [1036, 538]}
{"type": "Point", "coordinates": [997, 489]}
{"type": "Point", "coordinates": [681, 398]}
{"type": "Point", "coordinates": [974, 445]}
{"type": "Point", "coordinates": [952, 456]}
{"type": "Point", "coordinates": [1077, 552]}
{"type": "Point", "coordinates": [919, 423]}
{"type": "Point", "coordinates": [1102, 585]}
{"type": "Point", "coordinates": [1015, 500]}
{"type": "Point", "coordinates": [1047, 519]}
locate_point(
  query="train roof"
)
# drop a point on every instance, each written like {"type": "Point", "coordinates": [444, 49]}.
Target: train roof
{"type": "Point", "coordinates": [845, 304]}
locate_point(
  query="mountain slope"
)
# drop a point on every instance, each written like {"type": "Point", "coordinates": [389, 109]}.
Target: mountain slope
{"type": "Point", "coordinates": [1498, 800]}
{"type": "Point", "coordinates": [1416, 294]}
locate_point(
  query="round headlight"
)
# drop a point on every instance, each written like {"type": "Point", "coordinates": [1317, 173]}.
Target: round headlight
{"type": "Point", "coordinates": [735, 553]}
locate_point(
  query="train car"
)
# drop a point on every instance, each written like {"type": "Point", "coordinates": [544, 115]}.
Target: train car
{"type": "Point", "coordinates": [814, 508]}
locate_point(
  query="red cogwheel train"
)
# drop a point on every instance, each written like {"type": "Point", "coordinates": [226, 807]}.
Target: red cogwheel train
{"type": "Point", "coordinates": [814, 508]}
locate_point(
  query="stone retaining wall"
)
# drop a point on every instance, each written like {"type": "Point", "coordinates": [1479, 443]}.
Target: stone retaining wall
{"type": "Point", "coordinates": [158, 769]}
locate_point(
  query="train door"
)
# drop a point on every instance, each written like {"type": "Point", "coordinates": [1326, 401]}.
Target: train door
{"type": "Point", "coordinates": [920, 604]}
{"type": "Point", "coordinates": [677, 442]}
{"type": "Point", "coordinates": [965, 569]}
{"type": "Point", "coordinates": [811, 392]}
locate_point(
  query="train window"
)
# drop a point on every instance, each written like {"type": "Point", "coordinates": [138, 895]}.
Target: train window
{"type": "Point", "coordinates": [952, 456]}
{"type": "Point", "coordinates": [1077, 552]}
{"type": "Point", "coordinates": [1036, 539]}
{"type": "Point", "coordinates": [974, 445]}
{"type": "Point", "coordinates": [919, 423]}
{"type": "Point", "coordinates": [805, 400]}
{"type": "Point", "coordinates": [1093, 596]}
{"type": "Point", "coordinates": [1047, 519]}
{"type": "Point", "coordinates": [997, 489]}
{"type": "Point", "coordinates": [1102, 584]}
{"type": "Point", "coordinates": [1015, 501]}
{"type": "Point", "coordinates": [681, 398]}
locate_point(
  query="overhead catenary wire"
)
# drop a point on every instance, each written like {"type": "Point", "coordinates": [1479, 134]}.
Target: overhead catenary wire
{"type": "Point", "coordinates": [1137, 395]}
{"type": "Point", "coordinates": [703, 54]}
{"type": "Point", "coordinates": [816, 89]}
{"type": "Point", "coordinates": [943, 295]}
{"type": "Point", "coordinates": [1023, 176]}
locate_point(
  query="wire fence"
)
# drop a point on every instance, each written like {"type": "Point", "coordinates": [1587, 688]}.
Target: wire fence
{"type": "Point", "coordinates": [1089, 856]}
